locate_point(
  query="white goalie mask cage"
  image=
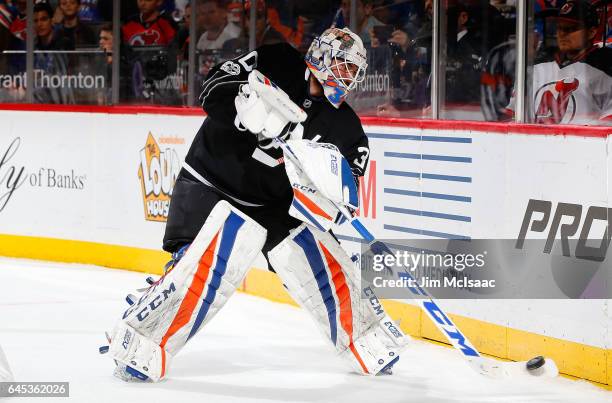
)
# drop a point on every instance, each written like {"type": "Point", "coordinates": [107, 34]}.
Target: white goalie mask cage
{"type": "Point", "coordinates": [337, 59]}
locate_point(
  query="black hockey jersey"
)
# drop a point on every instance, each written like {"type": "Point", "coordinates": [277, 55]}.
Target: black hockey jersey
{"type": "Point", "coordinates": [234, 161]}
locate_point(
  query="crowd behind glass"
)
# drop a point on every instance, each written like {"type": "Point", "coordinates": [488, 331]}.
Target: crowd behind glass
{"type": "Point", "coordinates": [73, 49]}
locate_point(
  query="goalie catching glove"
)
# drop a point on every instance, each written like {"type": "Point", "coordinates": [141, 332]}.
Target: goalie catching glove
{"type": "Point", "coordinates": [263, 108]}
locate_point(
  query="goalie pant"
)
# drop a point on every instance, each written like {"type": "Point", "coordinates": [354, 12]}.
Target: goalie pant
{"type": "Point", "coordinates": [322, 279]}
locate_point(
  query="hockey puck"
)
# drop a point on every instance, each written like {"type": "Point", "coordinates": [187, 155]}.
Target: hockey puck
{"type": "Point", "coordinates": [535, 363]}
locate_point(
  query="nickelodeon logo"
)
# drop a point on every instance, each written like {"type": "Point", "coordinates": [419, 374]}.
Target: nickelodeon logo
{"type": "Point", "coordinates": [157, 172]}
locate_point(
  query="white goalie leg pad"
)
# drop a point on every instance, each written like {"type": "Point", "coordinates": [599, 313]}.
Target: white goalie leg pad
{"type": "Point", "coordinates": [174, 309]}
{"type": "Point", "coordinates": [139, 352]}
{"type": "Point", "coordinates": [5, 371]}
{"type": "Point", "coordinates": [322, 279]}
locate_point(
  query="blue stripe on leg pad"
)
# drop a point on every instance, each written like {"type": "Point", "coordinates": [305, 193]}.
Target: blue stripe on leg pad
{"type": "Point", "coordinates": [228, 237]}
{"type": "Point", "coordinates": [306, 241]}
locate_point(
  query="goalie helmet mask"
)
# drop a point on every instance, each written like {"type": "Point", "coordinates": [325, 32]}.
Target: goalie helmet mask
{"type": "Point", "coordinates": [337, 59]}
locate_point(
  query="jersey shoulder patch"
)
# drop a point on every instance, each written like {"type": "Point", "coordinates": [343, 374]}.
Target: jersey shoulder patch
{"type": "Point", "coordinates": [230, 68]}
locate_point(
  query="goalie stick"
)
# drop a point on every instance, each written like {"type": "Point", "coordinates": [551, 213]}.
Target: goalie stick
{"type": "Point", "coordinates": [537, 366]}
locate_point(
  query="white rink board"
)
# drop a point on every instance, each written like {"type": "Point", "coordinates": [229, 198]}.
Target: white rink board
{"type": "Point", "coordinates": [491, 177]}
{"type": "Point", "coordinates": [104, 149]}
{"type": "Point", "coordinates": [506, 170]}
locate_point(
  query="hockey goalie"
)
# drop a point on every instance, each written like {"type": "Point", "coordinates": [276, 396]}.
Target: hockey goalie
{"type": "Point", "coordinates": [237, 196]}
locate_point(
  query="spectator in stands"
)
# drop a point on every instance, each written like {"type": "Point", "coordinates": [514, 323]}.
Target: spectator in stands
{"type": "Point", "coordinates": [407, 16]}
{"type": "Point", "coordinates": [575, 84]}
{"type": "Point", "coordinates": [235, 12]}
{"type": "Point", "coordinates": [463, 59]}
{"type": "Point", "coordinates": [410, 72]}
{"type": "Point", "coordinates": [49, 63]}
{"type": "Point", "coordinates": [380, 10]}
{"type": "Point", "coordinates": [168, 6]}
{"type": "Point", "coordinates": [106, 44]}
{"type": "Point", "coordinates": [606, 37]}
{"type": "Point", "coordinates": [75, 33]}
{"type": "Point", "coordinates": [129, 8]}
{"type": "Point", "coordinates": [12, 37]}
{"type": "Point", "coordinates": [7, 14]}
{"type": "Point", "coordinates": [365, 19]}
{"type": "Point", "coordinates": [46, 37]}
{"type": "Point", "coordinates": [265, 34]}
{"type": "Point", "coordinates": [300, 21]}
{"type": "Point", "coordinates": [425, 31]}
{"type": "Point", "coordinates": [218, 29]}
{"type": "Point", "coordinates": [18, 24]}
{"type": "Point", "coordinates": [150, 27]}
{"type": "Point", "coordinates": [106, 41]}
{"type": "Point", "coordinates": [13, 33]}
{"type": "Point", "coordinates": [180, 5]}
{"type": "Point", "coordinates": [88, 12]}
{"type": "Point", "coordinates": [182, 36]}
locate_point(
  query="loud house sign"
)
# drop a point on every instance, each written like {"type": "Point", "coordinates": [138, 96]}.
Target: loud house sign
{"type": "Point", "coordinates": [157, 173]}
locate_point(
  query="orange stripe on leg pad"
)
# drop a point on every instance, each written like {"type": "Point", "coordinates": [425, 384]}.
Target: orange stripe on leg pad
{"type": "Point", "coordinates": [163, 363]}
{"type": "Point", "coordinates": [344, 298]}
{"type": "Point", "coordinates": [194, 293]}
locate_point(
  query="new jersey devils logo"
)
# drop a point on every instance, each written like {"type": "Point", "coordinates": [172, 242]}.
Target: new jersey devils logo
{"type": "Point", "coordinates": [148, 37]}
{"type": "Point", "coordinates": [555, 103]}
{"type": "Point", "coordinates": [567, 8]}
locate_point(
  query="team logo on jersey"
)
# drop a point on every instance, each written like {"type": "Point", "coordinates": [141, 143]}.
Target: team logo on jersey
{"type": "Point", "coordinates": [157, 172]}
{"type": "Point", "coordinates": [555, 102]}
{"type": "Point", "coordinates": [567, 8]}
{"type": "Point", "coordinates": [230, 68]}
{"type": "Point", "coordinates": [148, 37]}
{"type": "Point", "coordinates": [18, 28]}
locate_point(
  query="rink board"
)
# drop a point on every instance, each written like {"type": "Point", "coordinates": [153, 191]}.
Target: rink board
{"type": "Point", "coordinates": [92, 185]}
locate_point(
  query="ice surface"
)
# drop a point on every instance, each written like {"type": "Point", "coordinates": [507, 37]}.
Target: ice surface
{"type": "Point", "coordinates": [53, 317]}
